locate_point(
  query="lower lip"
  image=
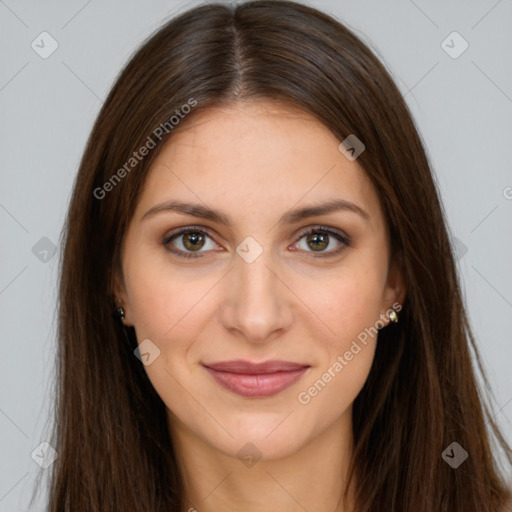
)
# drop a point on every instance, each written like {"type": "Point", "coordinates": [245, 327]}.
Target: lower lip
{"type": "Point", "coordinates": [257, 386]}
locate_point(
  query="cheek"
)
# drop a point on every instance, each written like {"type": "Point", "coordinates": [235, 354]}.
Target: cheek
{"type": "Point", "coordinates": [330, 393]}
{"type": "Point", "coordinates": [350, 310]}
{"type": "Point", "coordinates": [164, 310]}
{"type": "Point", "coordinates": [152, 304]}
{"type": "Point", "coordinates": [350, 302]}
{"type": "Point", "coordinates": [349, 306]}
{"type": "Point", "coordinates": [159, 298]}
{"type": "Point", "coordinates": [172, 310]}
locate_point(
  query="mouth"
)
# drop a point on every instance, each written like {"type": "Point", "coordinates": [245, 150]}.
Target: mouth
{"type": "Point", "coordinates": [256, 380]}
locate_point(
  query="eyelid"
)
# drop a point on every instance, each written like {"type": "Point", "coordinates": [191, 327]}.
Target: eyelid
{"type": "Point", "coordinates": [340, 236]}
{"type": "Point", "coordinates": [320, 227]}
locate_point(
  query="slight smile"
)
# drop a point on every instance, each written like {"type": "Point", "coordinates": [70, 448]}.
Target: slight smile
{"type": "Point", "coordinates": [256, 380]}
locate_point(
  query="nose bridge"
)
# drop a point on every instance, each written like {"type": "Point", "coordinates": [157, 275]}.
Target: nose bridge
{"type": "Point", "coordinates": [256, 303]}
{"type": "Point", "coordinates": [256, 278]}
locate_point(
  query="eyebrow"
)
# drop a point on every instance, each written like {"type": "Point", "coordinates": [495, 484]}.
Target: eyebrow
{"type": "Point", "coordinates": [291, 217]}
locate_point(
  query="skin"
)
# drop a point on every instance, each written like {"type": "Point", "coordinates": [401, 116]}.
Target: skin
{"type": "Point", "coordinates": [255, 161]}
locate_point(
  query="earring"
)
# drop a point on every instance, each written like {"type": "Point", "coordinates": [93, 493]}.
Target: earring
{"type": "Point", "coordinates": [393, 316]}
{"type": "Point", "coordinates": [119, 313]}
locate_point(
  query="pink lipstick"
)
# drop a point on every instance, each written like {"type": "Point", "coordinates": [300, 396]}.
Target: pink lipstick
{"type": "Point", "coordinates": [256, 380]}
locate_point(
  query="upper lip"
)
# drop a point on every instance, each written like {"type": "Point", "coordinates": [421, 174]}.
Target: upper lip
{"type": "Point", "coordinates": [249, 368]}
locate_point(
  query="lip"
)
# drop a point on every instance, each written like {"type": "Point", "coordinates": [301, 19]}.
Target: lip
{"type": "Point", "coordinates": [256, 380]}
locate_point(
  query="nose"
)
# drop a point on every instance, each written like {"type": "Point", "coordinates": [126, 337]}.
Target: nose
{"type": "Point", "coordinates": [257, 301]}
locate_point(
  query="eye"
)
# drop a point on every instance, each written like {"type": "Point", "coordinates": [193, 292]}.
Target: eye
{"type": "Point", "coordinates": [192, 240]}
{"type": "Point", "coordinates": [320, 238]}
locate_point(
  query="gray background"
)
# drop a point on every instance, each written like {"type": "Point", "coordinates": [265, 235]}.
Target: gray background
{"type": "Point", "coordinates": [463, 107]}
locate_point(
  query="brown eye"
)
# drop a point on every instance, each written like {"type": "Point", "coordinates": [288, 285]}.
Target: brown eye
{"type": "Point", "coordinates": [186, 242]}
{"type": "Point", "coordinates": [193, 240]}
{"type": "Point", "coordinates": [319, 239]}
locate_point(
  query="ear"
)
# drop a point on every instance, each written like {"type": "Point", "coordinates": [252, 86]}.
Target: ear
{"type": "Point", "coordinates": [121, 298]}
{"type": "Point", "coordinates": [396, 287]}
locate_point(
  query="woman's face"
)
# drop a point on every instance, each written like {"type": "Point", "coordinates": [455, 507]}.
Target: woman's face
{"type": "Point", "coordinates": [247, 283]}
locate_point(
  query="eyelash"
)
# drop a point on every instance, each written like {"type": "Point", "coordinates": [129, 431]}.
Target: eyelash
{"type": "Point", "coordinates": [345, 240]}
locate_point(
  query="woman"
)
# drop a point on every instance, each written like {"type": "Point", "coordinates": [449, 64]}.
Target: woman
{"type": "Point", "coordinates": [256, 207]}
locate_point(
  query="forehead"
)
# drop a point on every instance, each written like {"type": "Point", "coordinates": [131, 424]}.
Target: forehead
{"type": "Point", "coordinates": [249, 156]}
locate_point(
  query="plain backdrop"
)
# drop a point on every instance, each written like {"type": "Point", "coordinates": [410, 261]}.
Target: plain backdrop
{"type": "Point", "coordinates": [461, 98]}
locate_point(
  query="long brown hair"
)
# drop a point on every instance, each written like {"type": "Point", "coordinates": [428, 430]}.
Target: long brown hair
{"type": "Point", "coordinates": [111, 434]}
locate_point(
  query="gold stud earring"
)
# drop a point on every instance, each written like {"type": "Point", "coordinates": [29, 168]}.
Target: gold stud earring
{"type": "Point", "coordinates": [393, 316]}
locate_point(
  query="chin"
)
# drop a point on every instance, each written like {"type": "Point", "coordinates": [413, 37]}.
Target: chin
{"type": "Point", "coordinates": [269, 440]}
